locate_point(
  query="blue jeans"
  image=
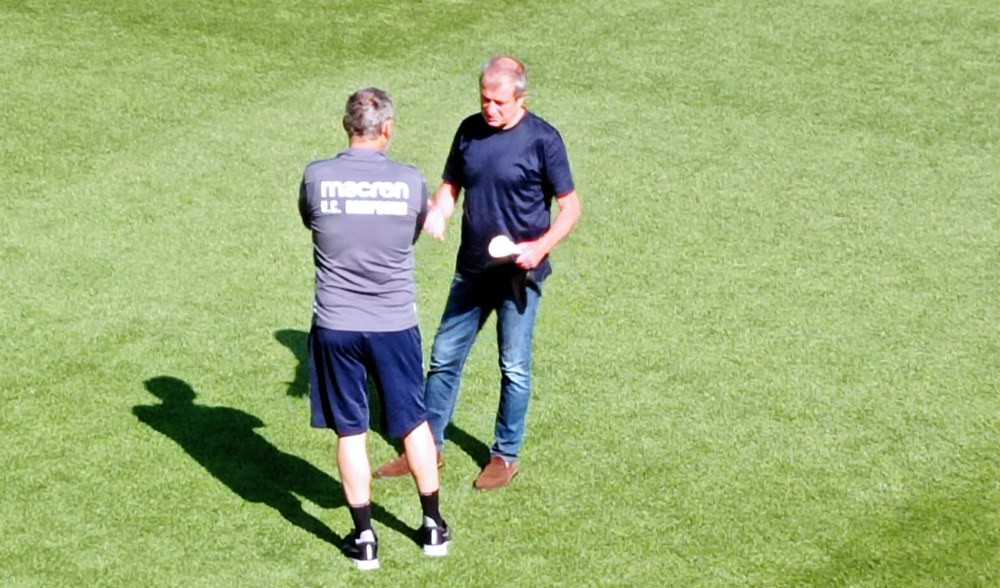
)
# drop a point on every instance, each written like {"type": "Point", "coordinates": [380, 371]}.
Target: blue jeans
{"type": "Point", "coordinates": [471, 300]}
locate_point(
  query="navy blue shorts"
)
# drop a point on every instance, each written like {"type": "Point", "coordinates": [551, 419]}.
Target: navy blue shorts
{"type": "Point", "coordinates": [340, 365]}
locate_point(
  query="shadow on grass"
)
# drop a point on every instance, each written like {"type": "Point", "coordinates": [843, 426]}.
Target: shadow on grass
{"type": "Point", "coordinates": [223, 441]}
{"type": "Point", "coordinates": [474, 448]}
{"type": "Point", "coordinates": [297, 342]}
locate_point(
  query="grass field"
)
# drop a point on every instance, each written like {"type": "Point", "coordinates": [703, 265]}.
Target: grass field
{"type": "Point", "coordinates": [769, 354]}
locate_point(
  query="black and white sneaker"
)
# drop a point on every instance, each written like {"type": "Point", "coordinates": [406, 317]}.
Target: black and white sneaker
{"type": "Point", "coordinates": [362, 549]}
{"type": "Point", "coordinates": [434, 538]}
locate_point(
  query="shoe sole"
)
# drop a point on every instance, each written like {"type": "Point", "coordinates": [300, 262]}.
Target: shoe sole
{"type": "Point", "coordinates": [436, 550]}
{"type": "Point", "coordinates": [366, 566]}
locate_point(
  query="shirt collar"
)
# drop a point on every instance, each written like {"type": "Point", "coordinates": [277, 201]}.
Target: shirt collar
{"type": "Point", "coordinates": [362, 153]}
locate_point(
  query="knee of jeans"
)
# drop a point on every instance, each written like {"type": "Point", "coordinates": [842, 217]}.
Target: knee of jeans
{"type": "Point", "coordinates": [446, 362]}
{"type": "Point", "coordinates": [517, 372]}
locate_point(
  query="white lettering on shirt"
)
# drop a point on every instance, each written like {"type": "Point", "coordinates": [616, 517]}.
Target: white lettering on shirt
{"type": "Point", "coordinates": [376, 207]}
{"type": "Point", "coordinates": [352, 189]}
{"type": "Point", "coordinates": [382, 198]}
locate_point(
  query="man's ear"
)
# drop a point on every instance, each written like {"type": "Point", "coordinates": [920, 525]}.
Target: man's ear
{"type": "Point", "coordinates": [388, 128]}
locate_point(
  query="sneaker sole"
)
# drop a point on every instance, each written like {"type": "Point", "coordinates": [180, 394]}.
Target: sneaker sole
{"type": "Point", "coordinates": [436, 550]}
{"type": "Point", "coordinates": [366, 566]}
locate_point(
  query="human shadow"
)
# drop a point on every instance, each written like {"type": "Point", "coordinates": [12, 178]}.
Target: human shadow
{"type": "Point", "coordinates": [474, 448]}
{"type": "Point", "coordinates": [223, 441]}
{"type": "Point", "coordinates": [297, 342]}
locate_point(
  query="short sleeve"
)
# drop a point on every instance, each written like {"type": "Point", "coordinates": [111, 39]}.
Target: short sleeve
{"type": "Point", "coordinates": [422, 212]}
{"type": "Point", "coordinates": [558, 179]}
{"type": "Point", "coordinates": [454, 167]}
{"type": "Point", "coordinates": [304, 204]}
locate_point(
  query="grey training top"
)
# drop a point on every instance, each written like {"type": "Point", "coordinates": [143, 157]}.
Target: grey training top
{"type": "Point", "coordinates": [365, 212]}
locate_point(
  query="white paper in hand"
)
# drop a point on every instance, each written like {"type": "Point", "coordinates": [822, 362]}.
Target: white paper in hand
{"type": "Point", "coordinates": [502, 246]}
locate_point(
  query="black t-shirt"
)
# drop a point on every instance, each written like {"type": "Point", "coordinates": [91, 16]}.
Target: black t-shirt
{"type": "Point", "coordinates": [509, 178]}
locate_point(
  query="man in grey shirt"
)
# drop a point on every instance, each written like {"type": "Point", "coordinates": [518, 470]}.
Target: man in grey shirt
{"type": "Point", "coordinates": [365, 212]}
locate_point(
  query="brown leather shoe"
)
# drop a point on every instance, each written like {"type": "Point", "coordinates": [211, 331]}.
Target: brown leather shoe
{"type": "Point", "coordinates": [497, 474]}
{"type": "Point", "coordinates": [397, 467]}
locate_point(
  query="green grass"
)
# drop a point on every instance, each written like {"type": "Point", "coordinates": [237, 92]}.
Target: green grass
{"type": "Point", "coordinates": [769, 355]}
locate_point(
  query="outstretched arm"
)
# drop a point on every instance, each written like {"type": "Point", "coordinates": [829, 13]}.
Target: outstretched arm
{"type": "Point", "coordinates": [440, 209]}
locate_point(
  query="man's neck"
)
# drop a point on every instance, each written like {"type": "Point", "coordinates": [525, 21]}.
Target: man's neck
{"type": "Point", "coordinates": [516, 119]}
{"type": "Point", "coordinates": [377, 144]}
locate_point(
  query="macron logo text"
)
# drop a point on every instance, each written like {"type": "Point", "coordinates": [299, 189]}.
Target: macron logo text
{"type": "Point", "coordinates": [351, 189]}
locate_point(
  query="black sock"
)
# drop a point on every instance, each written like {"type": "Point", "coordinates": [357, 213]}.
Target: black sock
{"type": "Point", "coordinates": [362, 516]}
{"type": "Point", "coordinates": [430, 505]}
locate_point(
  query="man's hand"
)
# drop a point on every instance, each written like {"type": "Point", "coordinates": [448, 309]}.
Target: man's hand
{"type": "Point", "coordinates": [532, 254]}
{"type": "Point", "coordinates": [435, 224]}
{"type": "Point", "coordinates": [440, 209]}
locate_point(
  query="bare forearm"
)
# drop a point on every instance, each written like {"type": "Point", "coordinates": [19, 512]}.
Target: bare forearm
{"type": "Point", "coordinates": [569, 214]}
{"type": "Point", "coordinates": [444, 199]}
{"type": "Point", "coordinates": [442, 206]}
{"type": "Point", "coordinates": [533, 252]}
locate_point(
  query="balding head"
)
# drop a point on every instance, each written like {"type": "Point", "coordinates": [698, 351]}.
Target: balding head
{"type": "Point", "coordinates": [503, 69]}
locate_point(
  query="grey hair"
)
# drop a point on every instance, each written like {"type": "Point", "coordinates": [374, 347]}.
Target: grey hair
{"type": "Point", "coordinates": [366, 111]}
{"type": "Point", "coordinates": [515, 72]}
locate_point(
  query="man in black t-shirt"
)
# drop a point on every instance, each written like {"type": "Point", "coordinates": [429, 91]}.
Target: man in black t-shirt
{"type": "Point", "coordinates": [511, 165]}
